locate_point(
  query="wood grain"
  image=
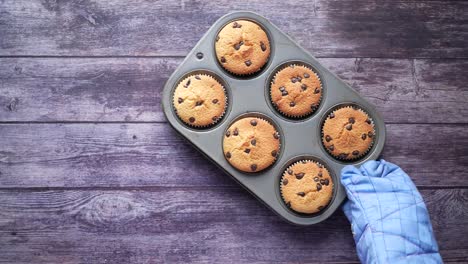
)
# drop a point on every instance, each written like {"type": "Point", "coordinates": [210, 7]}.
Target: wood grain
{"type": "Point", "coordinates": [189, 225]}
{"type": "Point", "coordinates": [129, 89]}
{"type": "Point", "coordinates": [85, 155]}
{"type": "Point", "coordinates": [364, 28]}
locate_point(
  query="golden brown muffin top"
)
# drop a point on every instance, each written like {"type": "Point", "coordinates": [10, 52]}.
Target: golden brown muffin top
{"type": "Point", "coordinates": [251, 144]}
{"type": "Point", "coordinates": [306, 187]}
{"type": "Point", "coordinates": [242, 47]}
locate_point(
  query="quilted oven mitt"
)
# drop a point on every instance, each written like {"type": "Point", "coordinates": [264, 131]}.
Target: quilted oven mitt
{"type": "Point", "coordinates": [389, 219]}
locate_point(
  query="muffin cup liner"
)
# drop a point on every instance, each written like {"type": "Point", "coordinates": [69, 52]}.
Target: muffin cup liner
{"type": "Point", "coordinates": [296, 116]}
{"type": "Point", "coordinates": [226, 100]}
{"type": "Point", "coordinates": [361, 155]}
{"type": "Point", "coordinates": [281, 186]}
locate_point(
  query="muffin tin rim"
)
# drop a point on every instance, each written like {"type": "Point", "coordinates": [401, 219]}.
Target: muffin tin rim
{"type": "Point", "coordinates": [298, 53]}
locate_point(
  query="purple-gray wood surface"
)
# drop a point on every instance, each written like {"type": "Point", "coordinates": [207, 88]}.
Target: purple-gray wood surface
{"type": "Point", "coordinates": [90, 172]}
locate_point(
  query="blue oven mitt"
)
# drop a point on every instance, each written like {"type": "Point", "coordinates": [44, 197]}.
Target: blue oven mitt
{"type": "Point", "coordinates": [389, 219]}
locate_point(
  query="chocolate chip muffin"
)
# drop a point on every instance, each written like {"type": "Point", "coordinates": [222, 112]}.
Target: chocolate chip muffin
{"type": "Point", "coordinates": [200, 100]}
{"type": "Point", "coordinates": [251, 144]}
{"type": "Point", "coordinates": [296, 91]}
{"type": "Point", "coordinates": [348, 133]}
{"type": "Point", "coordinates": [242, 47]}
{"type": "Point", "coordinates": [306, 187]}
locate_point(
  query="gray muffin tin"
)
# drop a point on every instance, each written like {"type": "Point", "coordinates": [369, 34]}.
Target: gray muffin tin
{"type": "Point", "coordinates": [249, 96]}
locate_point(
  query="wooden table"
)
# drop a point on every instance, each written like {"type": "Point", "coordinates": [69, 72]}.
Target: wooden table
{"type": "Point", "coordinates": [90, 171]}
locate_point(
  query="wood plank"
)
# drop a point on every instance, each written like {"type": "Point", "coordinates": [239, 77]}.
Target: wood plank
{"type": "Point", "coordinates": [363, 28]}
{"type": "Point", "coordinates": [129, 89]}
{"type": "Point", "coordinates": [213, 225]}
{"type": "Point", "coordinates": [93, 155]}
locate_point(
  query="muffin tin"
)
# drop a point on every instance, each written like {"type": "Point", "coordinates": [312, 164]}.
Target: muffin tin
{"type": "Point", "coordinates": [249, 96]}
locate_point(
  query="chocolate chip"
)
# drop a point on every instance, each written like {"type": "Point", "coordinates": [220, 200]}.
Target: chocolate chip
{"type": "Point", "coordinates": [320, 207]}
{"type": "Point", "coordinates": [320, 174]}
{"type": "Point", "coordinates": [217, 38]}
{"type": "Point", "coordinates": [368, 121]}
{"type": "Point", "coordinates": [285, 181]}
{"type": "Point", "coordinates": [247, 150]}
{"type": "Point", "coordinates": [328, 138]}
{"type": "Point", "coordinates": [248, 63]}
{"type": "Point", "coordinates": [262, 45]}
{"type": "Point", "coordinates": [274, 153]}
{"type": "Point", "coordinates": [316, 91]}
{"type": "Point", "coordinates": [327, 182]}
{"type": "Point", "coordinates": [214, 118]}
{"type": "Point", "coordinates": [276, 135]}
{"type": "Point", "coordinates": [351, 120]}
{"type": "Point", "coordinates": [228, 155]}
{"type": "Point", "coordinates": [192, 119]}
{"type": "Point", "coordinates": [302, 194]}
{"type": "Point", "coordinates": [292, 104]}
{"type": "Point", "coordinates": [316, 179]}
{"type": "Point", "coordinates": [293, 79]}
{"type": "Point", "coordinates": [253, 122]}
{"type": "Point", "coordinates": [282, 88]}
{"type": "Point", "coordinates": [343, 155]}
{"type": "Point", "coordinates": [253, 167]}
{"type": "Point", "coordinates": [223, 60]}
{"type": "Point", "coordinates": [319, 187]}
{"type": "Point", "coordinates": [187, 84]}
{"type": "Point", "coordinates": [236, 25]}
{"type": "Point", "coordinates": [299, 78]}
{"type": "Point", "coordinates": [235, 132]}
{"type": "Point", "coordinates": [322, 181]}
{"type": "Point", "coordinates": [290, 172]}
{"type": "Point", "coordinates": [198, 103]}
{"type": "Point", "coordinates": [180, 100]}
{"type": "Point", "coordinates": [370, 134]}
{"type": "Point", "coordinates": [331, 147]}
{"type": "Point", "coordinates": [364, 136]}
{"type": "Point", "coordinates": [237, 46]}
{"type": "Point", "coordinates": [284, 93]}
{"type": "Point", "coordinates": [356, 152]}
{"type": "Point", "coordinates": [253, 142]}
{"type": "Point", "coordinates": [288, 204]}
{"type": "Point", "coordinates": [306, 75]}
{"type": "Point", "coordinates": [332, 115]}
{"type": "Point", "coordinates": [228, 133]}
{"type": "Point", "coordinates": [215, 101]}
{"type": "Point", "coordinates": [349, 127]}
{"type": "Point", "coordinates": [197, 77]}
{"type": "Point", "coordinates": [303, 87]}
{"type": "Point", "coordinates": [299, 175]}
